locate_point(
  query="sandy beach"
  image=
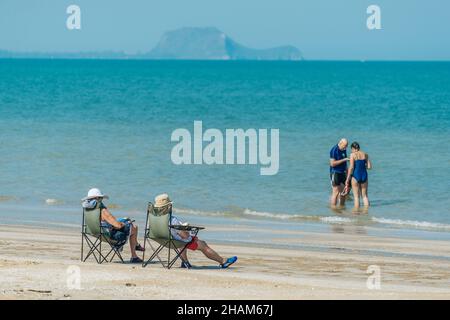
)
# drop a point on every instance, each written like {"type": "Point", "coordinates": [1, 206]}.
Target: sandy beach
{"type": "Point", "coordinates": [36, 263]}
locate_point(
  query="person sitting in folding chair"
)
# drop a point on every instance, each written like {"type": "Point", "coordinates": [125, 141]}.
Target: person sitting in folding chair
{"type": "Point", "coordinates": [119, 229]}
{"type": "Point", "coordinates": [163, 203]}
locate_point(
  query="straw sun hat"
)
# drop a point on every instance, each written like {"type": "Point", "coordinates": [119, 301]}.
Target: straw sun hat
{"type": "Point", "coordinates": [162, 200]}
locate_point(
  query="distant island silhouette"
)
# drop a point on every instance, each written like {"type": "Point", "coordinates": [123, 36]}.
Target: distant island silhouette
{"type": "Point", "coordinates": [182, 44]}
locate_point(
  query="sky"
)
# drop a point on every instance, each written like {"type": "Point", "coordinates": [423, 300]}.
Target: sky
{"type": "Point", "coordinates": [321, 29]}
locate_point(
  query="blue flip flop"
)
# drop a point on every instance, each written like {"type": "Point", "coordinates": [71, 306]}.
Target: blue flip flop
{"type": "Point", "coordinates": [229, 262]}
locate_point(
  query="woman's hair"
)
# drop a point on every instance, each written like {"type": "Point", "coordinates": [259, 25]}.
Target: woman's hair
{"type": "Point", "coordinates": [355, 145]}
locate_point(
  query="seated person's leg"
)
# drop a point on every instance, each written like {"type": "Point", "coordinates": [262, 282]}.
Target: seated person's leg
{"type": "Point", "coordinates": [133, 240]}
{"type": "Point", "coordinates": [213, 255]}
{"type": "Point", "coordinates": [184, 260]}
{"type": "Point", "coordinates": [208, 252]}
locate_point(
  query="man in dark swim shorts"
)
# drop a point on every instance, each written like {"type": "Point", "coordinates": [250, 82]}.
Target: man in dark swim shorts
{"type": "Point", "coordinates": [338, 171]}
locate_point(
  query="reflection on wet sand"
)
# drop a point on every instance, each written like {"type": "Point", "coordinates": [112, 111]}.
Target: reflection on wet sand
{"type": "Point", "coordinates": [348, 229]}
{"type": "Point", "coordinates": [357, 227]}
{"type": "Point", "coordinates": [360, 211]}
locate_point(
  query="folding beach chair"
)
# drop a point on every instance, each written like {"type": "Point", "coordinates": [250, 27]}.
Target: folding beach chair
{"type": "Point", "coordinates": [94, 234]}
{"type": "Point", "coordinates": [157, 229]}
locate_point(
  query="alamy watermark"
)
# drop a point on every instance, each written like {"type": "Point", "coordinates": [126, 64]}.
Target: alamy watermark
{"type": "Point", "coordinates": [374, 280]}
{"type": "Point", "coordinates": [73, 279]}
{"type": "Point", "coordinates": [73, 21]}
{"type": "Point", "coordinates": [236, 146]}
{"type": "Point", "coordinates": [374, 20]}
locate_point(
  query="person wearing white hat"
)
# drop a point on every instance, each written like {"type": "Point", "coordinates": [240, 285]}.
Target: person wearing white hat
{"type": "Point", "coordinates": [163, 202]}
{"type": "Point", "coordinates": [119, 229]}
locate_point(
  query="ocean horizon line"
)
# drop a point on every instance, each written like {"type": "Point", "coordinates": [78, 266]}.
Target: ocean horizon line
{"type": "Point", "coordinates": [136, 57]}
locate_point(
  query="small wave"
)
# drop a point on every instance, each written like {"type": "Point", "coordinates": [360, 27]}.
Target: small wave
{"type": "Point", "coordinates": [297, 217]}
{"type": "Point", "coordinates": [337, 220]}
{"type": "Point", "coordinates": [199, 212]}
{"type": "Point", "coordinates": [280, 216]}
{"type": "Point", "coordinates": [6, 198]}
{"type": "Point", "coordinates": [247, 213]}
{"type": "Point", "coordinates": [412, 223]}
{"type": "Point", "coordinates": [53, 202]}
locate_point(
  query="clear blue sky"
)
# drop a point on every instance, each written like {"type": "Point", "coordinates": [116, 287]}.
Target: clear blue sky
{"type": "Point", "coordinates": [321, 29]}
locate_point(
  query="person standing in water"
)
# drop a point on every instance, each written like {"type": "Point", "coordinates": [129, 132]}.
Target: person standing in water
{"type": "Point", "coordinates": [338, 171]}
{"type": "Point", "coordinates": [357, 175]}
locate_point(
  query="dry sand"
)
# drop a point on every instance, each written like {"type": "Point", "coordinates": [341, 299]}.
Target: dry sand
{"type": "Point", "coordinates": [37, 264]}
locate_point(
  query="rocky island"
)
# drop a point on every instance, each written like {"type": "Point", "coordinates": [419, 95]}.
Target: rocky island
{"type": "Point", "coordinates": [213, 44]}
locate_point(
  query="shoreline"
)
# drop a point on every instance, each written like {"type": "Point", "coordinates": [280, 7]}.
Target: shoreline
{"type": "Point", "coordinates": [304, 240]}
{"type": "Point", "coordinates": [34, 263]}
{"type": "Point", "coordinates": [65, 216]}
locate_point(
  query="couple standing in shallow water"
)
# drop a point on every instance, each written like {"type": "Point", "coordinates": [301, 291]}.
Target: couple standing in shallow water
{"type": "Point", "coordinates": [355, 177]}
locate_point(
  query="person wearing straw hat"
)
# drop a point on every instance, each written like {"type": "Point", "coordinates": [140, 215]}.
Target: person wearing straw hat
{"type": "Point", "coordinates": [163, 202]}
{"type": "Point", "coordinates": [120, 229]}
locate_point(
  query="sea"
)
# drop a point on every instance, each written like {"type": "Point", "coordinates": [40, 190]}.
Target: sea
{"type": "Point", "coordinates": [69, 125]}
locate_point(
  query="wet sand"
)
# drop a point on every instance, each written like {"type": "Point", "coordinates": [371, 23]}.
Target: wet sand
{"type": "Point", "coordinates": [37, 263]}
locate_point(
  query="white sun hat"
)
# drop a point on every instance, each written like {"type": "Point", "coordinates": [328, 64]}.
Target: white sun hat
{"type": "Point", "coordinates": [95, 193]}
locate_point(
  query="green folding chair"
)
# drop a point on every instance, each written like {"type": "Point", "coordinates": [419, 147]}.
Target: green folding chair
{"type": "Point", "coordinates": [93, 234]}
{"type": "Point", "coordinates": [157, 229]}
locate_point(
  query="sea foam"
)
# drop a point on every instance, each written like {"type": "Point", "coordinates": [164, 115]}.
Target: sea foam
{"type": "Point", "coordinates": [249, 214]}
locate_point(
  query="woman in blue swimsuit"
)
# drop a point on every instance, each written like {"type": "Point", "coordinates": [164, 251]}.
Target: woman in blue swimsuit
{"type": "Point", "coordinates": [357, 174]}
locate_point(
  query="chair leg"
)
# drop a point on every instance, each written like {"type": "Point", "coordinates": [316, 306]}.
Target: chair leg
{"type": "Point", "coordinates": [178, 255]}
{"type": "Point", "coordinates": [105, 257]}
{"type": "Point", "coordinates": [118, 254]}
{"type": "Point", "coordinates": [146, 233]}
{"type": "Point", "coordinates": [170, 261]}
{"type": "Point", "coordinates": [93, 247]}
{"type": "Point", "coordinates": [143, 253]}
{"type": "Point", "coordinates": [82, 245]}
{"type": "Point", "coordinates": [155, 254]}
{"type": "Point", "coordinates": [113, 253]}
{"type": "Point", "coordinates": [168, 256]}
{"type": "Point", "coordinates": [95, 250]}
{"type": "Point", "coordinates": [100, 255]}
{"type": "Point", "coordinates": [144, 263]}
{"type": "Point", "coordinates": [114, 250]}
{"type": "Point", "coordinates": [112, 257]}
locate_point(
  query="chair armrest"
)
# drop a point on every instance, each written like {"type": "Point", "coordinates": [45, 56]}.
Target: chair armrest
{"type": "Point", "coordinates": [186, 228]}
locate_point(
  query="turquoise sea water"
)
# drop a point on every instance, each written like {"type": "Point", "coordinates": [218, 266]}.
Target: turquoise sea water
{"type": "Point", "coordinates": [68, 125]}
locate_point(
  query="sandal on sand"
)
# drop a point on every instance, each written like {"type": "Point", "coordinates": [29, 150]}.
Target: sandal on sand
{"type": "Point", "coordinates": [136, 260]}
{"type": "Point", "coordinates": [139, 248]}
{"type": "Point", "coordinates": [229, 262]}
